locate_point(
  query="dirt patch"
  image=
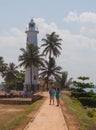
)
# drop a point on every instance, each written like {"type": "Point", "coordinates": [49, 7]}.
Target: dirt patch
{"type": "Point", "coordinates": [9, 112]}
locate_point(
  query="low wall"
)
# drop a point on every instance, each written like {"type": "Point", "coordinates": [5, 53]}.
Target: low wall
{"type": "Point", "coordinates": [20, 100]}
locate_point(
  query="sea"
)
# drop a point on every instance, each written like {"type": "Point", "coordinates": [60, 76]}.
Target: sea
{"type": "Point", "coordinates": [1, 86]}
{"type": "Point", "coordinates": [86, 89]}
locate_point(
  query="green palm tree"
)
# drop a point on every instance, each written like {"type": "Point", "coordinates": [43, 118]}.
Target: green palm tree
{"type": "Point", "coordinates": [10, 74]}
{"type": "Point", "coordinates": [30, 57]}
{"type": "Point", "coordinates": [52, 48]}
{"type": "Point", "coordinates": [62, 79]}
{"type": "Point", "coordinates": [50, 69]}
{"type": "Point", "coordinates": [52, 45]}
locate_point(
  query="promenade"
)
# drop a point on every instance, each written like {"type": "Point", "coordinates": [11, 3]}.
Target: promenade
{"type": "Point", "coordinates": [49, 117]}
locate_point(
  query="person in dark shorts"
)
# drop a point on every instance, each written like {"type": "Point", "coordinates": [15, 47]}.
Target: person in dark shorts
{"type": "Point", "coordinates": [52, 94]}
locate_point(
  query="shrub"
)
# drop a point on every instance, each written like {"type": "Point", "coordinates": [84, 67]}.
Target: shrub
{"type": "Point", "coordinates": [88, 101]}
{"type": "Point", "coordinates": [90, 113]}
{"type": "Point", "coordinates": [80, 94]}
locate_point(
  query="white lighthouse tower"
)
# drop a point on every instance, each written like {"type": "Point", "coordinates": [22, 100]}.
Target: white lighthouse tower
{"type": "Point", "coordinates": [31, 39]}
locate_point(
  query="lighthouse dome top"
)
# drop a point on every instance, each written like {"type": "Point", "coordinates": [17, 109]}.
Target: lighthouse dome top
{"type": "Point", "coordinates": [32, 25]}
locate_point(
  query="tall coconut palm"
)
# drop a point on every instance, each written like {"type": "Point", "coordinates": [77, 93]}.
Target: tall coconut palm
{"type": "Point", "coordinates": [50, 69]}
{"type": "Point", "coordinates": [52, 45]}
{"type": "Point", "coordinates": [30, 57]}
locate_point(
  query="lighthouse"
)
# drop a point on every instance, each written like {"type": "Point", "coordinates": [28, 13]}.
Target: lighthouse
{"type": "Point", "coordinates": [31, 38]}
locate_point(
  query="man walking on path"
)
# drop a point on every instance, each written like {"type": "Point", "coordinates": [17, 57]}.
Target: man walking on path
{"type": "Point", "coordinates": [49, 117]}
{"type": "Point", "coordinates": [52, 94]}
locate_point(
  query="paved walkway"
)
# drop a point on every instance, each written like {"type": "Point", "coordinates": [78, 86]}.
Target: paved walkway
{"type": "Point", "coordinates": [49, 117]}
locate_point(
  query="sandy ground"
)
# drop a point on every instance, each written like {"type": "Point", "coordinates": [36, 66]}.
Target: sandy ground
{"type": "Point", "coordinates": [49, 117]}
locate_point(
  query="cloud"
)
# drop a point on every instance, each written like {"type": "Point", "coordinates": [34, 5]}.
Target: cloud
{"type": "Point", "coordinates": [10, 43]}
{"type": "Point", "coordinates": [85, 17]}
{"type": "Point", "coordinates": [72, 16]}
{"type": "Point", "coordinates": [86, 22]}
{"type": "Point", "coordinates": [78, 50]}
{"type": "Point", "coordinates": [88, 17]}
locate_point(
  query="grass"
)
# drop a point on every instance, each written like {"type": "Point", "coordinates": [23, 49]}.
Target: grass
{"type": "Point", "coordinates": [82, 120]}
{"type": "Point", "coordinates": [20, 120]}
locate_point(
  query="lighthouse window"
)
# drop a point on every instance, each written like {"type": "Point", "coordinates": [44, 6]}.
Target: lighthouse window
{"type": "Point", "coordinates": [34, 77]}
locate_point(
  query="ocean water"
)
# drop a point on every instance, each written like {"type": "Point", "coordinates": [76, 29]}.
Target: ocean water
{"type": "Point", "coordinates": [86, 89]}
{"type": "Point", "coordinates": [1, 86]}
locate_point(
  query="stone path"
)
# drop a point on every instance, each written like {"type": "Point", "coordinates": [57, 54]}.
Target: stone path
{"type": "Point", "coordinates": [49, 117]}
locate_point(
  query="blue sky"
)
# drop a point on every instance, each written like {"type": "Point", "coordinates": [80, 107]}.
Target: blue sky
{"type": "Point", "coordinates": [73, 20]}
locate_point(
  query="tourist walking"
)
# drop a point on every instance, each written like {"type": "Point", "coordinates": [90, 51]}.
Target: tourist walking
{"type": "Point", "coordinates": [52, 94]}
{"type": "Point", "coordinates": [58, 96]}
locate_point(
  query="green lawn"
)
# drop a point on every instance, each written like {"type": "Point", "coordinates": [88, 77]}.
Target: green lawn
{"type": "Point", "coordinates": [85, 119]}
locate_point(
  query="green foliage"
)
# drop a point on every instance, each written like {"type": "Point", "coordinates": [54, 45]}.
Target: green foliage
{"type": "Point", "coordinates": [88, 101]}
{"type": "Point", "coordinates": [52, 47]}
{"type": "Point", "coordinates": [91, 113]}
{"type": "Point", "coordinates": [77, 110]}
{"type": "Point", "coordinates": [81, 85]}
{"type": "Point", "coordinates": [83, 78]}
{"type": "Point", "coordinates": [30, 57]}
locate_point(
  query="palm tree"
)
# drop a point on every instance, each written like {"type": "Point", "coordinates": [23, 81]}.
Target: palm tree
{"type": "Point", "coordinates": [63, 79]}
{"type": "Point", "coordinates": [3, 66]}
{"type": "Point", "coordinates": [30, 57]}
{"type": "Point", "coordinates": [52, 45]}
{"type": "Point", "coordinates": [50, 69]}
{"type": "Point", "coordinates": [10, 74]}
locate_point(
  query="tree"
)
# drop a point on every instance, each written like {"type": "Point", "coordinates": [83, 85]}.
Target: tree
{"type": "Point", "coordinates": [10, 74]}
{"type": "Point", "coordinates": [52, 45]}
{"type": "Point", "coordinates": [81, 85]}
{"type": "Point", "coordinates": [62, 79]}
{"type": "Point", "coordinates": [50, 69]}
{"type": "Point", "coordinates": [30, 57]}
{"type": "Point", "coordinates": [83, 78]}
{"type": "Point", "coordinates": [3, 66]}
{"type": "Point", "coordinates": [20, 80]}
{"type": "Point", "coordinates": [52, 49]}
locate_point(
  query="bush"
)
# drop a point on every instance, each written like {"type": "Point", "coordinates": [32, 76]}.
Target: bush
{"type": "Point", "coordinates": [90, 113]}
{"type": "Point", "coordinates": [88, 101]}
{"type": "Point", "coordinates": [80, 94]}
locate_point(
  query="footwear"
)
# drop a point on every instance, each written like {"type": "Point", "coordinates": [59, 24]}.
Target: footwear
{"type": "Point", "coordinates": [57, 105]}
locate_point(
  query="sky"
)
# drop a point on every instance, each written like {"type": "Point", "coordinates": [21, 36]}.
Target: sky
{"type": "Point", "coordinates": [73, 20]}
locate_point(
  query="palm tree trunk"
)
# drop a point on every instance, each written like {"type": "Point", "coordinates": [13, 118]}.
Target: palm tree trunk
{"type": "Point", "coordinates": [31, 78]}
{"type": "Point", "coordinates": [32, 87]}
{"type": "Point", "coordinates": [47, 82]}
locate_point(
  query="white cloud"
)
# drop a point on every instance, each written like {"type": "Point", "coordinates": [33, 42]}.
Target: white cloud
{"type": "Point", "coordinates": [86, 21]}
{"type": "Point", "coordinates": [10, 43]}
{"type": "Point", "coordinates": [78, 51]}
{"type": "Point", "coordinates": [85, 17]}
{"type": "Point", "coordinates": [77, 55]}
{"type": "Point", "coordinates": [72, 16]}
